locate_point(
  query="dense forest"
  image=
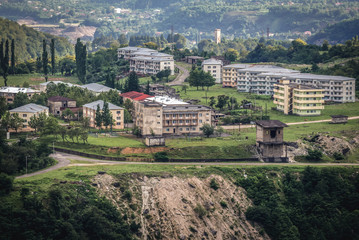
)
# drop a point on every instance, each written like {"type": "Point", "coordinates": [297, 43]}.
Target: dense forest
{"type": "Point", "coordinates": [28, 42]}
{"type": "Point", "coordinates": [315, 204]}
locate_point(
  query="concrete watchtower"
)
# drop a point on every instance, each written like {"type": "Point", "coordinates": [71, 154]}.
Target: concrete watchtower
{"type": "Point", "coordinates": [270, 142]}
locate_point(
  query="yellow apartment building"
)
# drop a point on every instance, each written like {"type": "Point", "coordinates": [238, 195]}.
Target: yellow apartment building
{"type": "Point", "coordinates": [26, 112]}
{"type": "Point", "coordinates": [118, 115]}
{"type": "Point", "coordinates": [302, 100]}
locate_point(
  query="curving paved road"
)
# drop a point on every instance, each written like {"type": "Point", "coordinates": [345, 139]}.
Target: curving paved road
{"type": "Point", "coordinates": [64, 160]}
{"type": "Point", "coordinates": [184, 73]}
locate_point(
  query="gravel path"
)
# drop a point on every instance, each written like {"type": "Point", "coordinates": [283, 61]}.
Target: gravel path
{"type": "Point", "coordinates": [181, 76]}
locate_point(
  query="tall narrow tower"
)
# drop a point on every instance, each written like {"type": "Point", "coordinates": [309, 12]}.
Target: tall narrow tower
{"type": "Point", "coordinates": [217, 36]}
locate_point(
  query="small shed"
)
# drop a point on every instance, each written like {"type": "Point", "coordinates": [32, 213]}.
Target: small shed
{"type": "Point", "coordinates": [339, 119]}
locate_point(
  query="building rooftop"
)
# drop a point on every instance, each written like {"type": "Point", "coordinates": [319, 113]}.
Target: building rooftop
{"type": "Point", "coordinates": [212, 61]}
{"type": "Point", "coordinates": [156, 59]}
{"type": "Point", "coordinates": [266, 69]}
{"type": "Point", "coordinates": [239, 66]}
{"type": "Point", "coordinates": [194, 57]}
{"type": "Point", "coordinates": [98, 88]}
{"type": "Point", "coordinates": [17, 90]}
{"type": "Point", "coordinates": [29, 108]}
{"type": "Point", "coordinates": [271, 124]}
{"type": "Point", "coordinates": [59, 99]}
{"type": "Point", "coordinates": [93, 105]}
{"type": "Point", "coordinates": [166, 100]}
{"type": "Point", "coordinates": [58, 82]}
{"type": "Point", "coordinates": [339, 116]}
{"type": "Point", "coordinates": [135, 49]}
{"type": "Point", "coordinates": [185, 108]}
{"type": "Point", "coordinates": [136, 96]}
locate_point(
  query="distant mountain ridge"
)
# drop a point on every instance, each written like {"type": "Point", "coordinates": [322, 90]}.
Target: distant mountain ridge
{"type": "Point", "coordinates": [337, 33]}
{"type": "Point", "coordinates": [28, 41]}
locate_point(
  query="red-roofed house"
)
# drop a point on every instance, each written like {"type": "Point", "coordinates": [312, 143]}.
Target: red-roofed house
{"type": "Point", "coordinates": [135, 96]}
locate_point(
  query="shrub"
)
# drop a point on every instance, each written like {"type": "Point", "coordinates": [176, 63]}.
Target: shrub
{"type": "Point", "coordinates": [200, 211]}
{"type": "Point", "coordinates": [338, 156]}
{"type": "Point", "coordinates": [213, 184]}
{"type": "Point", "coordinates": [128, 195]}
{"type": "Point", "coordinates": [5, 183]}
{"type": "Point", "coordinates": [161, 156]}
{"type": "Point", "coordinates": [314, 155]}
{"type": "Point", "coordinates": [223, 204]}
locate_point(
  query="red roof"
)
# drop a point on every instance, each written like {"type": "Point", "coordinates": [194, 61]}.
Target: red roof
{"type": "Point", "coordinates": [136, 96]}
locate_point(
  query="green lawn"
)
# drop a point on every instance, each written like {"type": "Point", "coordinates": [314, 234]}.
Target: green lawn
{"type": "Point", "coordinates": [350, 109]}
{"type": "Point", "coordinates": [35, 79]}
{"type": "Point", "coordinates": [118, 141]}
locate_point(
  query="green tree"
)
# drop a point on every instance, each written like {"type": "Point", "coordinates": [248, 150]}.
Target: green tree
{"type": "Point", "coordinates": [194, 78]}
{"type": "Point", "coordinates": [45, 60]}
{"type": "Point", "coordinates": [20, 99]}
{"type": "Point", "coordinates": [132, 83]}
{"type": "Point", "coordinates": [81, 60]}
{"type": "Point", "coordinates": [151, 45]}
{"type": "Point", "coordinates": [207, 80]}
{"type": "Point", "coordinates": [220, 130]}
{"type": "Point", "coordinates": [147, 91]}
{"type": "Point", "coordinates": [52, 49]}
{"type": "Point", "coordinates": [12, 56]}
{"type": "Point", "coordinates": [16, 122]}
{"type": "Point", "coordinates": [222, 101]}
{"type": "Point", "coordinates": [6, 121]}
{"type": "Point", "coordinates": [106, 115]}
{"type": "Point", "coordinates": [314, 155]}
{"type": "Point", "coordinates": [184, 88]}
{"type": "Point", "coordinates": [231, 54]}
{"type": "Point", "coordinates": [3, 106]}
{"type": "Point", "coordinates": [67, 113]}
{"type": "Point", "coordinates": [212, 101]}
{"type": "Point", "coordinates": [98, 117]}
{"type": "Point", "coordinates": [4, 59]}
{"type": "Point", "coordinates": [207, 129]}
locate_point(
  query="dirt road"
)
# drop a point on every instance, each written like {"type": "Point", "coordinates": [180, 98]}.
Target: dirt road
{"type": "Point", "coordinates": [235, 127]}
{"type": "Point", "coordinates": [64, 160]}
{"type": "Point", "coordinates": [184, 73]}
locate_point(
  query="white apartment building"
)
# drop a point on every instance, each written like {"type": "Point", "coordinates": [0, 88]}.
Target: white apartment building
{"type": "Point", "coordinates": [9, 93]}
{"type": "Point", "coordinates": [260, 79]}
{"type": "Point", "coordinates": [214, 67]}
{"type": "Point", "coordinates": [146, 61]}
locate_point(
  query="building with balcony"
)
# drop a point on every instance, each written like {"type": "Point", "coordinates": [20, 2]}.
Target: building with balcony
{"type": "Point", "coordinates": [296, 99]}
{"type": "Point", "coordinates": [260, 79]}
{"type": "Point", "coordinates": [146, 61]}
{"type": "Point", "coordinates": [174, 118]}
{"type": "Point", "coordinates": [89, 111]}
{"type": "Point", "coordinates": [9, 93]}
{"type": "Point", "coordinates": [26, 112]}
{"type": "Point", "coordinates": [214, 67]}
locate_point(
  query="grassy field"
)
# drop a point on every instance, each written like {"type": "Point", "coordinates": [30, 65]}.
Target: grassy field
{"type": "Point", "coordinates": [350, 109]}
{"type": "Point", "coordinates": [35, 79]}
{"type": "Point", "coordinates": [118, 141]}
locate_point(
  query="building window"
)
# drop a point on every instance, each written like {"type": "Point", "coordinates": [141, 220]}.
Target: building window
{"type": "Point", "coordinates": [194, 115]}
{"type": "Point", "coordinates": [180, 129]}
{"type": "Point", "coordinates": [174, 121]}
{"type": "Point", "coordinates": [167, 129]}
{"type": "Point", "coordinates": [200, 121]}
{"type": "Point", "coordinates": [194, 121]}
{"type": "Point", "coordinates": [194, 129]}
{"type": "Point", "coordinates": [187, 129]}
{"type": "Point", "coordinates": [200, 114]}
{"type": "Point", "coordinates": [187, 121]}
{"type": "Point", "coordinates": [24, 115]}
{"type": "Point", "coordinates": [118, 123]}
{"type": "Point", "coordinates": [118, 112]}
{"type": "Point", "coordinates": [118, 118]}
{"type": "Point", "coordinates": [180, 121]}
{"type": "Point", "coordinates": [158, 123]}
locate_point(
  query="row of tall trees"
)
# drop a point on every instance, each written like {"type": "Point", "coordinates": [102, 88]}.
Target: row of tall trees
{"type": "Point", "coordinates": [103, 117]}
{"type": "Point", "coordinates": [199, 78]}
{"type": "Point", "coordinates": [81, 60]}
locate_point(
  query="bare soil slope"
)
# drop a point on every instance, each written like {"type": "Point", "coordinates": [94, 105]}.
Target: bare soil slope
{"type": "Point", "coordinates": [182, 208]}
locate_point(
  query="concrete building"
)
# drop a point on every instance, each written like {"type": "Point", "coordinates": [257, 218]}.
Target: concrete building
{"type": "Point", "coordinates": [89, 110]}
{"type": "Point", "coordinates": [146, 61]}
{"type": "Point", "coordinates": [156, 118]}
{"type": "Point", "coordinates": [297, 99]}
{"type": "Point", "coordinates": [193, 59]}
{"type": "Point", "coordinates": [270, 142]}
{"type": "Point", "coordinates": [165, 100]}
{"type": "Point", "coordinates": [26, 112]}
{"type": "Point", "coordinates": [260, 79]}
{"type": "Point", "coordinates": [9, 93]}
{"type": "Point", "coordinates": [58, 103]}
{"type": "Point", "coordinates": [214, 67]}
{"type": "Point", "coordinates": [96, 88]}
{"type": "Point", "coordinates": [217, 36]}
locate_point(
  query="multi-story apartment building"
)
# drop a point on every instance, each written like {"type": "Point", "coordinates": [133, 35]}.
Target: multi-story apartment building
{"type": "Point", "coordinates": [260, 79]}
{"type": "Point", "coordinates": [298, 99]}
{"type": "Point", "coordinates": [230, 74]}
{"type": "Point", "coordinates": [89, 110]}
{"type": "Point", "coordinates": [9, 93]}
{"type": "Point", "coordinates": [158, 119]}
{"type": "Point", "coordinates": [214, 67]}
{"type": "Point", "coordinates": [26, 112]}
{"type": "Point", "coordinates": [146, 61]}
{"type": "Point", "coordinates": [151, 65]}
